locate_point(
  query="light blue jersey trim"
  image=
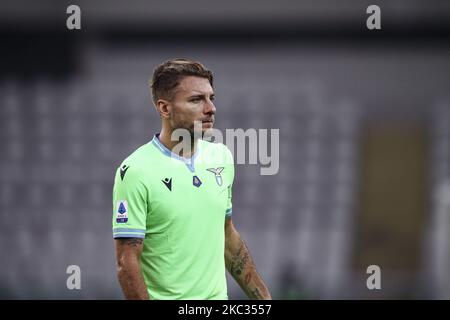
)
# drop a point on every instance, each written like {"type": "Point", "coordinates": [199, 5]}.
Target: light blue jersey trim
{"type": "Point", "coordinates": [128, 235]}
{"type": "Point", "coordinates": [115, 230]}
{"type": "Point", "coordinates": [228, 212]}
{"type": "Point", "coordinates": [189, 162]}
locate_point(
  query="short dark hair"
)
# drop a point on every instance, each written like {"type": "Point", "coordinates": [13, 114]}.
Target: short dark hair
{"type": "Point", "coordinates": [167, 76]}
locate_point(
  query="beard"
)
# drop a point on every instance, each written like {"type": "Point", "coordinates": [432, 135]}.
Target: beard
{"type": "Point", "coordinates": [195, 129]}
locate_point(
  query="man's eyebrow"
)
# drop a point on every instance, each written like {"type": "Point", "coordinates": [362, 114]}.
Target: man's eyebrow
{"type": "Point", "coordinates": [200, 95]}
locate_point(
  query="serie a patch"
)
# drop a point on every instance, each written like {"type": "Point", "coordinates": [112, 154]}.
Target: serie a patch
{"type": "Point", "coordinates": [122, 211]}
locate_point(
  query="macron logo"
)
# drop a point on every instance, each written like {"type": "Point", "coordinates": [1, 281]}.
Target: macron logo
{"type": "Point", "coordinates": [123, 170]}
{"type": "Point", "coordinates": [168, 183]}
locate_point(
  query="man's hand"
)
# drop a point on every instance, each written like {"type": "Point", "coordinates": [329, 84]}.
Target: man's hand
{"type": "Point", "coordinates": [128, 253]}
{"type": "Point", "coordinates": [240, 264]}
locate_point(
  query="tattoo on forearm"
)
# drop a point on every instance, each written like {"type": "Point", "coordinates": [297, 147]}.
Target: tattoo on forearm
{"type": "Point", "coordinates": [256, 294]}
{"type": "Point", "coordinates": [248, 277]}
{"type": "Point", "coordinates": [239, 261]}
{"type": "Point", "coordinates": [135, 242]}
{"type": "Point", "coordinates": [242, 268]}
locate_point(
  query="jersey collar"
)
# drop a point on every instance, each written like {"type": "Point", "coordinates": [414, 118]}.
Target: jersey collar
{"type": "Point", "coordinates": [189, 162]}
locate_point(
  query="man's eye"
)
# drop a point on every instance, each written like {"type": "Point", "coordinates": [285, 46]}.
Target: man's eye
{"type": "Point", "coordinates": [195, 100]}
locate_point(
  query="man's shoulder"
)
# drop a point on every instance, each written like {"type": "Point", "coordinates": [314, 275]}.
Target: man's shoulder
{"type": "Point", "coordinates": [137, 160]}
{"type": "Point", "coordinates": [138, 155]}
{"type": "Point", "coordinates": [214, 146]}
{"type": "Point", "coordinates": [216, 152]}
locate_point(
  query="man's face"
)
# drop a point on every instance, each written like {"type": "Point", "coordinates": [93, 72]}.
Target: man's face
{"type": "Point", "coordinates": [193, 101]}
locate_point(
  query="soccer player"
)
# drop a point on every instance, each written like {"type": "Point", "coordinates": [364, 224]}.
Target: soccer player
{"type": "Point", "coordinates": [172, 222]}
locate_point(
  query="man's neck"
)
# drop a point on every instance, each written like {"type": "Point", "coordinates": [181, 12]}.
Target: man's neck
{"type": "Point", "coordinates": [186, 149]}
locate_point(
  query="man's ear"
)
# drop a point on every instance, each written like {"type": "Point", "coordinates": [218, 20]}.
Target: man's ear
{"type": "Point", "coordinates": [164, 108]}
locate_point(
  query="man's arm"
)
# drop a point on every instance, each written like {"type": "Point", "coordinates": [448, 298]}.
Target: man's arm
{"type": "Point", "coordinates": [241, 266]}
{"type": "Point", "coordinates": [128, 253]}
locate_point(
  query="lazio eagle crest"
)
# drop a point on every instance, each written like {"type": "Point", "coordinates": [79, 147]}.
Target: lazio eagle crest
{"type": "Point", "coordinates": [217, 172]}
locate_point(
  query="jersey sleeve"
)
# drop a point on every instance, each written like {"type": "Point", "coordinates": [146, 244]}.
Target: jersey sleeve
{"type": "Point", "coordinates": [129, 203]}
{"type": "Point", "coordinates": [229, 164]}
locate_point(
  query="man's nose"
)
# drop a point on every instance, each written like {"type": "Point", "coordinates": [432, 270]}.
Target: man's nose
{"type": "Point", "coordinates": [210, 107]}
